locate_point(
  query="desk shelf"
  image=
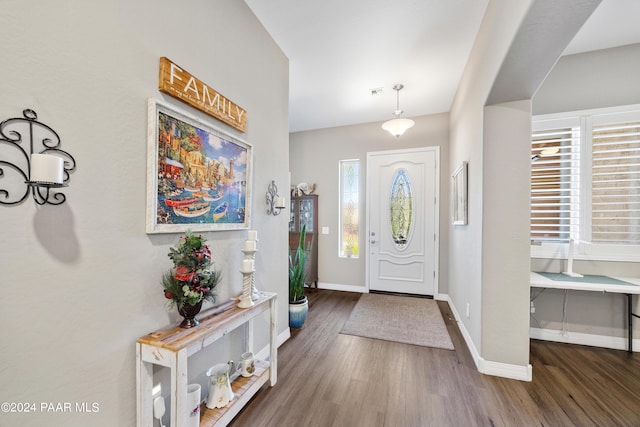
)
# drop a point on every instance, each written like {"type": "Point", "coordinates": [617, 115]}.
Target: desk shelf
{"type": "Point", "coordinates": [171, 347]}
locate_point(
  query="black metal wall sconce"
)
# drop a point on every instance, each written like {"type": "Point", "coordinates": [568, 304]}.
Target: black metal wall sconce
{"type": "Point", "coordinates": [275, 203]}
{"type": "Point", "coordinates": [43, 167]}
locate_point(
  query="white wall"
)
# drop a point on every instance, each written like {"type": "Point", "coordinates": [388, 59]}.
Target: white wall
{"type": "Point", "coordinates": [490, 128]}
{"type": "Point", "coordinates": [505, 233]}
{"type": "Point", "coordinates": [466, 250]}
{"type": "Point", "coordinates": [81, 281]}
{"type": "Point", "coordinates": [603, 78]}
{"type": "Point", "coordinates": [314, 157]}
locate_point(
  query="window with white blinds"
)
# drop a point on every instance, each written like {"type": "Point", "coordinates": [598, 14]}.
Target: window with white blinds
{"type": "Point", "coordinates": [555, 183]}
{"type": "Point", "coordinates": [585, 182]}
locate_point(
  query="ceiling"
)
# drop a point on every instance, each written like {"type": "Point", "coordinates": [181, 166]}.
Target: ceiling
{"type": "Point", "coordinates": [339, 51]}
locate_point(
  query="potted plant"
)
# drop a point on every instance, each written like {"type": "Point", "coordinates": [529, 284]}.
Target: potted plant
{"type": "Point", "coordinates": [192, 279]}
{"type": "Point", "coordinates": [298, 304]}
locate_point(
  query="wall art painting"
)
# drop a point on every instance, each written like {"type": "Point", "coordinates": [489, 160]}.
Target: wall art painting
{"type": "Point", "coordinates": [198, 176]}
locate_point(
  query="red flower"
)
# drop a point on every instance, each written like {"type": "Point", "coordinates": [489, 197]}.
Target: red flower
{"type": "Point", "coordinates": [168, 295]}
{"type": "Point", "coordinates": [183, 274]}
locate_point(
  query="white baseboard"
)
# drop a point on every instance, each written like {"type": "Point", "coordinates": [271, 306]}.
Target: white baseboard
{"type": "Point", "coordinates": [507, 370]}
{"type": "Point", "coordinates": [339, 287]}
{"type": "Point", "coordinates": [364, 290]}
{"type": "Point", "coordinates": [488, 367]}
{"type": "Point", "coordinates": [465, 334]}
{"type": "Point", "coordinates": [283, 336]}
{"type": "Point", "coordinates": [604, 341]}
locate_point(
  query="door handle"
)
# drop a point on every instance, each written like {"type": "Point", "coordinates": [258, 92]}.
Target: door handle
{"type": "Point", "coordinates": [373, 241]}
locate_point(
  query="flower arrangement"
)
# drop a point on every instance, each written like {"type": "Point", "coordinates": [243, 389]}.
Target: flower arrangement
{"type": "Point", "coordinates": [191, 280]}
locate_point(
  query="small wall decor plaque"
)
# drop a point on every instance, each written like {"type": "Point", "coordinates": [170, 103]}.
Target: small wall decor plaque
{"type": "Point", "coordinates": [180, 84]}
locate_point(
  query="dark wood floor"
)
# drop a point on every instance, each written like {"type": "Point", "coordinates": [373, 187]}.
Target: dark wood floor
{"type": "Point", "coordinates": [328, 379]}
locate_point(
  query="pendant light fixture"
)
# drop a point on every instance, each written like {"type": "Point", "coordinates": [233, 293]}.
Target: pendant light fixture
{"type": "Point", "coordinates": [397, 126]}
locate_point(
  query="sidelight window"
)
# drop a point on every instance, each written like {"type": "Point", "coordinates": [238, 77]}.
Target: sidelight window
{"type": "Point", "coordinates": [349, 212]}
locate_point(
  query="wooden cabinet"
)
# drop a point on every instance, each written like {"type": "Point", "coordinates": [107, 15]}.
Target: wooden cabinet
{"type": "Point", "coordinates": [304, 211]}
{"type": "Point", "coordinates": [172, 347]}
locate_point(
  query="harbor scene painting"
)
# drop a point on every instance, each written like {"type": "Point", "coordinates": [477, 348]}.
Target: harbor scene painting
{"type": "Point", "coordinates": [201, 175]}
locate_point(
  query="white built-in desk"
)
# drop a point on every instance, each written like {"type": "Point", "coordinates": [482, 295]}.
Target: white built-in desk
{"type": "Point", "coordinates": [628, 286]}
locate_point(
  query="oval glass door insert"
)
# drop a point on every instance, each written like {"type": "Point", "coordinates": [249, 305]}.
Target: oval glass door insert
{"type": "Point", "coordinates": [401, 214]}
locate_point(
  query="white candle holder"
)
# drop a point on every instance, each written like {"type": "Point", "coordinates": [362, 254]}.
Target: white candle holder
{"type": "Point", "coordinates": [245, 298]}
{"type": "Point", "coordinates": [255, 293]}
{"type": "Point", "coordinates": [250, 249]}
{"type": "Point", "coordinates": [248, 270]}
{"type": "Point", "coordinates": [44, 166]}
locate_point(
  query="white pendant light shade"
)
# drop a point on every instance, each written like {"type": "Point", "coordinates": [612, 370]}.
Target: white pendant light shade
{"type": "Point", "coordinates": [397, 127]}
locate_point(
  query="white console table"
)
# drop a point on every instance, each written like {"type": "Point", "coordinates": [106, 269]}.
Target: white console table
{"type": "Point", "coordinates": [172, 347]}
{"type": "Point", "coordinates": [630, 288]}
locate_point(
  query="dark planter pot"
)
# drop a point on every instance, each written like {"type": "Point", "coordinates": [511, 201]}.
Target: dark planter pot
{"type": "Point", "coordinates": [298, 312]}
{"type": "Point", "coordinates": [189, 313]}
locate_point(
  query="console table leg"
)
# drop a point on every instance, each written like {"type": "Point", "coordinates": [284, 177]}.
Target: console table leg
{"type": "Point", "coordinates": [144, 376]}
{"type": "Point", "coordinates": [630, 321]}
{"type": "Point", "coordinates": [273, 342]}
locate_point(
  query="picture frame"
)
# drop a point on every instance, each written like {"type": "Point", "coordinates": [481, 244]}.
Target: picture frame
{"type": "Point", "coordinates": [198, 176]}
{"type": "Point", "coordinates": [459, 195]}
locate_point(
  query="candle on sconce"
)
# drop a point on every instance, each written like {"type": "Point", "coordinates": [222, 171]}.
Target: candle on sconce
{"type": "Point", "coordinates": [252, 235]}
{"type": "Point", "coordinates": [280, 202]}
{"type": "Point", "coordinates": [250, 245]}
{"type": "Point", "coordinates": [247, 265]}
{"type": "Point", "coordinates": [46, 168]}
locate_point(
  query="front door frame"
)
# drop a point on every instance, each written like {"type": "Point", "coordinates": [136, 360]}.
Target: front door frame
{"type": "Point", "coordinates": [436, 242]}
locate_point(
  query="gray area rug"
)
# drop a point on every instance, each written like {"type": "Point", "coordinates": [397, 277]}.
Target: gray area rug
{"type": "Point", "coordinates": [402, 319]}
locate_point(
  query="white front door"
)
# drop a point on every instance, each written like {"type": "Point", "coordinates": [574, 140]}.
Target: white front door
{"type": "Point", "coordinates": [402, 220]}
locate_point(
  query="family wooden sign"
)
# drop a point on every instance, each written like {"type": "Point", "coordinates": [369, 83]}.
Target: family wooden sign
{"type": "Point", "coordinates": [180, 84]}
